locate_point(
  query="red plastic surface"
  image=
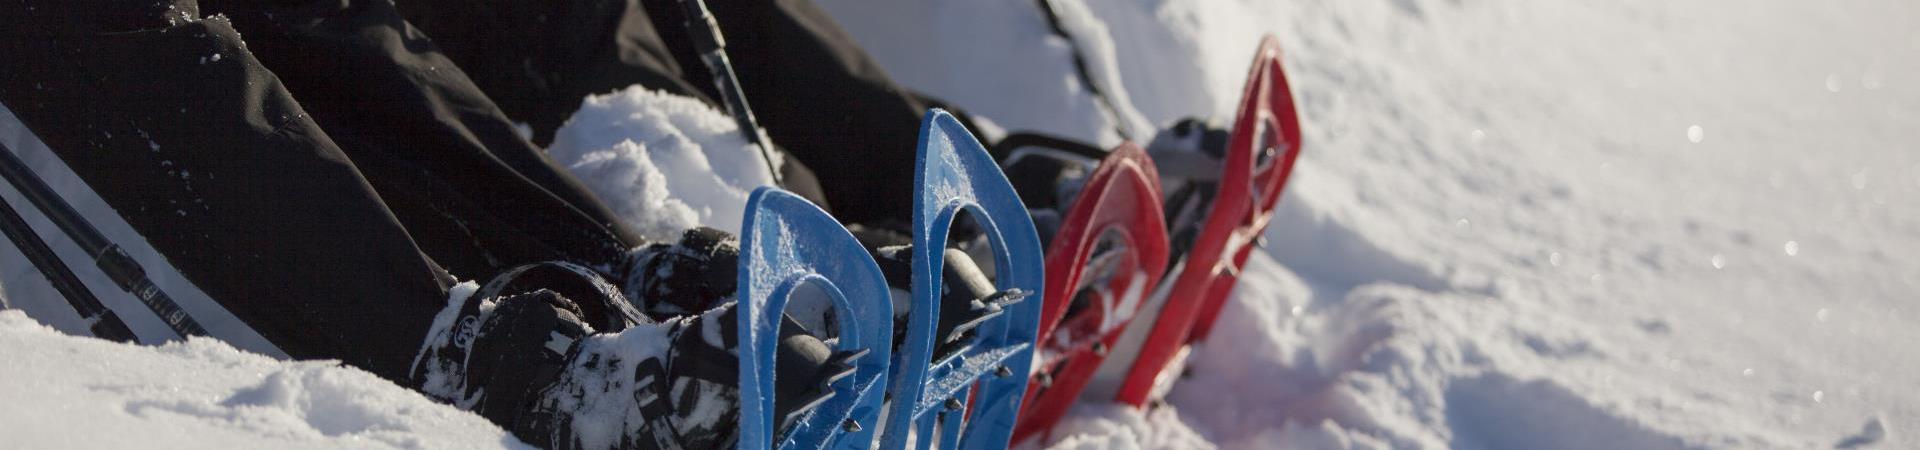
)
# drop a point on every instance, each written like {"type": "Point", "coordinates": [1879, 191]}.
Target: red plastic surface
{"type": "Point", "coordinates": [1249, 189]}
{"type": "Point", "coordinates": [1121, 199]}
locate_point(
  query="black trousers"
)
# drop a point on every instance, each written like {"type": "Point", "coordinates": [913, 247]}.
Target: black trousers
{"type": "Point", "coordinates": [327, 177]}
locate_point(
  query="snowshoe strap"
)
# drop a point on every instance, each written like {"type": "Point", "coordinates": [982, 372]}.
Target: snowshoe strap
{"type": "Point", "coordinates": [602, 306]}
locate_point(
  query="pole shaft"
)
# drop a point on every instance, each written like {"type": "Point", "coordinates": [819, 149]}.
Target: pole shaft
{"type": "Point", "coordinates": [712, 47]}
{"type": "Point", "coordinates": [99, 318]}
{"type": "Point", "coordinates": [119, 266]}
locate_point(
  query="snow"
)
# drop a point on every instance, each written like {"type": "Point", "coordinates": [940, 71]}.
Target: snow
{"type": "Point", "coordinates": [68, 392]}
{"type": "Point", "coordinates": [960, 51]}
{"type": "Point", "coordinates": [1523, 224]}
{"type": "Point", "coordinates": [1517, 224]}
{"type": "Point", "coordinates": [663, 162]}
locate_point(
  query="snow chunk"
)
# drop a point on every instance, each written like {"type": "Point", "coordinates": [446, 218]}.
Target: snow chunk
{"type": "Point", "coordinates": [662, 162]}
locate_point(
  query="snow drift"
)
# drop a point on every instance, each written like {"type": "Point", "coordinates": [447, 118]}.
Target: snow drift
{"type": "Point", "coordinates": [68, 392]}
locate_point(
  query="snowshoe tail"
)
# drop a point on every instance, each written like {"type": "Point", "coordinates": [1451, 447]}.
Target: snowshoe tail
{"type": "Point", "coordinates": [787, 243]}
{"type": "Point", "coordinates": [1264, 142]}
{"type": "Point", "coordinates": [1118, 212]}
{"type": "Point", "coordinates": [971, 397]}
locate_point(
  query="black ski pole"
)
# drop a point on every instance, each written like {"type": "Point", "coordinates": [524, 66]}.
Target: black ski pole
{"type": "Point", "coordinates": [704, 31]}
{"type": "Point", "coordinates": [99, 318]}
{"type": "Point", "coordinates": [111, 259]}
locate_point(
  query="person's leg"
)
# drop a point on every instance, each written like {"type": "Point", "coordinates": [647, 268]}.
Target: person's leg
{"type": "Point", "coordinates": [540, 60]}
{"type": "Point", "coordinates": [477, 197]}
{"type": "Point", "coordinates": [173, 122]}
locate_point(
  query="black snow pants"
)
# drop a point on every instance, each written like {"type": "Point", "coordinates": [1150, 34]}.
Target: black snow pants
{"type": "Point", "coordinates": [328, 177]}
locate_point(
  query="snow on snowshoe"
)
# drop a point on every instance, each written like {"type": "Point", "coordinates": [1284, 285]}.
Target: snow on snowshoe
{"type": "Point", "coordinates": [1110, 250]}
{"type": "Point", "coordinates": [1259, 155]}
{"type": "Point", "coordinates": [791, 248]}
{"type": "Point", "coordinates": [964, 396]}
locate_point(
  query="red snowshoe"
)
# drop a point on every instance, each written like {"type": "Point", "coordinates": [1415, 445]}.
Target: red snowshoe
{"type": "Point", "coordinates": [1260, 154]}
{"type": "Point", "coordinates": [1111, 249]}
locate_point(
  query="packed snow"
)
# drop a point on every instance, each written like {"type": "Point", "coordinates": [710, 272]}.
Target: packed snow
{"type": "Point", "coordinates": [1516, 224]}
{"type": "Point", "coordinates": [68, 392]}
{"type": "Point", "coordinates": [1520, 224]}
{"type": "Point", "coordinates": [651, 156]}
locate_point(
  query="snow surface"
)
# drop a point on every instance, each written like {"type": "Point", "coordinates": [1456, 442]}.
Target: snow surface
{"type": "Point", "coordinates": [1525, 224]}
{"type": "Point", "coordinates": [68, 392]}
{"type": "Point", "coordinates": [1517, 224]}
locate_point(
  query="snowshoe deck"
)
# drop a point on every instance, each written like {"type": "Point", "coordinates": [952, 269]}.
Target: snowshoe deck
{"type": "Point", "coordinates": [1119, 206]}
{"type": "Point", "coordinates": [1261, 151]}
{"type": "Point", "coordinates": [787, 243]}
{"type": "Point", "coordinates": [970, 397]}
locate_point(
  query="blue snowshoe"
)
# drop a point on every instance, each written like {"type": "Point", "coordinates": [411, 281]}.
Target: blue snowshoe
{"type": "Point", "coordinates": [965, 395]}
{"type": "Point", "coordinates": [792, 252]}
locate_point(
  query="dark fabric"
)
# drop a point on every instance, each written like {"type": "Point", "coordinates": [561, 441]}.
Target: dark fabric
{"type": "Point", "coordinates": [203, 151]}
{"type": "Point", "coordinates": [477, 197]}
{"type": "Point", "coordinates": [539, 60]}
{"type": "Point", "coordinates": [822, 99]}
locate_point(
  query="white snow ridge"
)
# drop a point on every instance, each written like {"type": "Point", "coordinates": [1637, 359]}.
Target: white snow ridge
{"type": "Point", "coordinates": [68, 392]}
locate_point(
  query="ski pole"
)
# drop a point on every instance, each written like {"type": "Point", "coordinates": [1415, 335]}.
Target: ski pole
{"type": "Point", "coordinates": [705, 34]}
{"type": "Point", "coordinates": [111, 259]}
{"type": "Point", "coordinates": [100, 319]}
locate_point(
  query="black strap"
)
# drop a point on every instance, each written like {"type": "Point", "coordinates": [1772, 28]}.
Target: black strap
{"type": "Point", "coordinates": [1016, 141]}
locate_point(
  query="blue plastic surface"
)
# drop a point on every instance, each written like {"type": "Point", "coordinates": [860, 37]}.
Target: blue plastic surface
{"type": "Point", "coordinates": [955, 173]}
{"type": "Point", "coordinates": [785, 243]}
